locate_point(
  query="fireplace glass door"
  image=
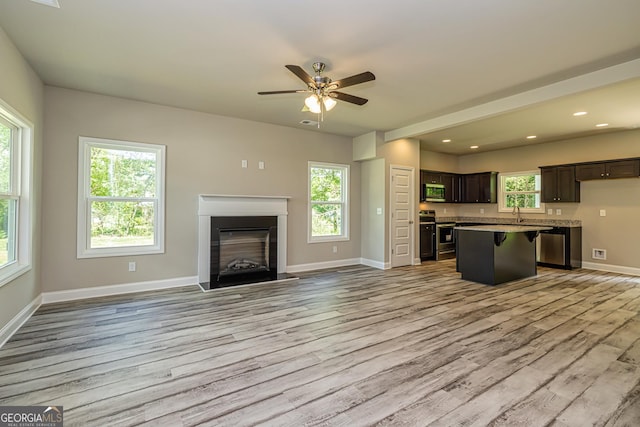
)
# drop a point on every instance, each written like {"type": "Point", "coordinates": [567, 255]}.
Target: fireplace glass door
{"type": "Point", "coordinates": [243, 251]}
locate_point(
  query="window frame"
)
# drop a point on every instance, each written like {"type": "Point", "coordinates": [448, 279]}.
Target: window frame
{"type": "Point", "coordinates": [502, 206]}
{"type": "Point", "coordinates": [84, 249]}
{"type": "Point", "coordinates": [344, 203]}
{"type": "Point", "coordinates": [21, 191]}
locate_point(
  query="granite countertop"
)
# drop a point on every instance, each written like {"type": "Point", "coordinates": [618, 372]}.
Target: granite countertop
{"type": "Point", "coordinates": [505, 228]}
{"type": "Point", "coordinates": [512, 221]}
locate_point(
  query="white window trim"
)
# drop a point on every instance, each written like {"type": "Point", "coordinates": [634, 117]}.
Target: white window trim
{"type": "Point", "coordinates": [24, 170]}
{"type": "Point", "coordinates": [501, 194]}
{"type": "Point", "coordinates": [84, 233]}
{"type": "Point", "coordinates": [345, 203]}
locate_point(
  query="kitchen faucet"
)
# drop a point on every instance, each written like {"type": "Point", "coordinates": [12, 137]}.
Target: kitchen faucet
{"type": "Point", "coordinates": [516, 212]}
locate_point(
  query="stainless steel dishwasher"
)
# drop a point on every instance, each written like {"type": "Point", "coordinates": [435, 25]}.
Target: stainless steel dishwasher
{"type": "Point", "coordinates": [560, 247]}
{"type": "Point", "coordinates": [552, 247]}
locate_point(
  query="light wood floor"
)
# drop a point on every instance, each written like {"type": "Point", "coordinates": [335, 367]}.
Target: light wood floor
{"type": "Point", "coordinates": [353, 346]}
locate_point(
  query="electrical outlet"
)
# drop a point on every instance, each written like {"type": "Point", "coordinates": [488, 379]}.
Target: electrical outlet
{"type": "Point", "coordinates": [603, 212]}
{"type": "Point", "coordinates": [132, 266]}
{"type": "Point", "coordinates": [549, 211]}
{"type": "Point", "coordinates": [244, 164]}
{"type": "Point", "coordinates": [558, 211]}
{"type": "Point", "coordinates": [481, 210]}
{"type": "Point", "coordinates": [260, 164]}
{"type": "Point", "coordinates": [335, 249]}
{"type": "Point", "coordinates": [445, 210]}
{"type": "Point", "coordinates": [598, 253]}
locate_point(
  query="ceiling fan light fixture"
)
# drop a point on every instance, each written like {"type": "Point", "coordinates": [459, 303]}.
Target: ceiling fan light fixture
{"type": "Point", "coordinates": [329, 103]}
{"type": "Point", "coordinates": [313, 104]}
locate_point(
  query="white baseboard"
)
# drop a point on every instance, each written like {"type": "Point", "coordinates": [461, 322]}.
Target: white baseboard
{"type": "Point", "coordinates": [632, 271]}
{"type": "Point", "coordinates": [375, 264]}
{"type": "Point", "coordinates": [14, 324]}
{"type": "Point", "coordinates": [322, 265]}
{"type": "Point", "coordinates": [101, 291]}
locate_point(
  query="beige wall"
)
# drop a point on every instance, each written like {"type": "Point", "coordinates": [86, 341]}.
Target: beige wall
{"type": "Point", "coordinates": [204, 154]}
{"type": "Point", "coordinates": [21, 88]}
{"type": "Point", "coordinates": [438, 161]}
{"type": "Point", "coordinates": [617, 232]}
{"type": "Point", "coordinates": [372, 247]}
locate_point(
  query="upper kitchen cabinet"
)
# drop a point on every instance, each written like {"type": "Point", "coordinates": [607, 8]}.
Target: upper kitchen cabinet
{"type": "Point", "coordinates": [452, 187]}
{"type": "Point", "coordinates": [480, 187]}
{"type": "Point", "coordinates": [628, 168]}
{"type": "Point", "coordinates": [559, 184]}
{"type": "Point", "coordinates": [431, 177]}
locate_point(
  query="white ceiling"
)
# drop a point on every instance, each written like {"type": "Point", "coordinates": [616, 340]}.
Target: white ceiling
{"type": "Point", "coordinates": [437, 63]}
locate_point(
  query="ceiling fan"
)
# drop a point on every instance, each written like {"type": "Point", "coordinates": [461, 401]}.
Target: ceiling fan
{"type": "Point", "coordinates": [323, 91]}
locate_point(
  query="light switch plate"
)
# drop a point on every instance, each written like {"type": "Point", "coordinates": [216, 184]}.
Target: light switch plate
{"type": "Point", "coordinates": [549, 211]}
{"type": "Point", "coordinates": [603, 212]}
{"type": "Point", "coordinates": [558, 211]}
{"type": "Point", "coordinates": [379, 211]}
{"type": "Point", "coordinates": [261, 165]}
{"type": "Point", "coordinates": [244, 164]}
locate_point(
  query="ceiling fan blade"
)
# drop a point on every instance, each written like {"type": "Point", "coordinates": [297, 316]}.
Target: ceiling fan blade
{"type": "Point", "coordinates": [348, 98]}
{"type": "Point", "coordinates": [276, 92]}
{"type": "Point", "coordinates": [302, 74]}
{"type": "Point", "coordinates": [353, 80]}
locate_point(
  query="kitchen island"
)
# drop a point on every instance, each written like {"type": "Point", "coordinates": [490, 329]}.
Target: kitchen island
{"type": "Point", "coordinates": [494, 254]}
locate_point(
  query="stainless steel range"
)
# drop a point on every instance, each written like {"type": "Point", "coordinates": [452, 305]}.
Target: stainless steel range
{"type": "Point", "coordinates": [445, 240]}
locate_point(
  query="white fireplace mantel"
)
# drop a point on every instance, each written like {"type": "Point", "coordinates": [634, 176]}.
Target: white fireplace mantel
{"type": "Point", "coordinates": [236, 205]}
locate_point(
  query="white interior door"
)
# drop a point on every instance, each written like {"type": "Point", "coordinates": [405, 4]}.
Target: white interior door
{"type": "Point", "coordinates": [401, 199]}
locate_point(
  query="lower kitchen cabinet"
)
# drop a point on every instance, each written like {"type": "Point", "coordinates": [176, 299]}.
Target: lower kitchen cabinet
{"type": "Point", "coordinates": [427, 241]}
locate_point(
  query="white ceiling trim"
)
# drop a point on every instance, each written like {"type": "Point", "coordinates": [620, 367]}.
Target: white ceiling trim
{"type": "Point", "coordinates": [593, 80]}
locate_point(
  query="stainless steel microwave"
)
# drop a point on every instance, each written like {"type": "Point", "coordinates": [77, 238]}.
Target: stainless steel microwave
{"type": "Point", "coordinates": [434, 193]}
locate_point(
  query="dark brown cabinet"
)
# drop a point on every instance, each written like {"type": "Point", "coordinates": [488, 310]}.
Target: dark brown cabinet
{"type": "Point", "coordinates": [608, 170]}
{"type": "Point", "coordinates": [427, 241]}
{"type": "Point", "coordinates": [429, 177]}
{"type": "Point", "coordinates": [452, 187]}
{"type": "Point", "coordinates": [559, 184]}
{"type": "Point", "coordinates": [480, 188]}
{"type": "Point", "coordinates": [450, 181]}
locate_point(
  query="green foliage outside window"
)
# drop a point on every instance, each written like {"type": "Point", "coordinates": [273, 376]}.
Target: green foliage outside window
{"type": "Point", "coordinates": [326, 200]}
{"type": "Point", "coordinates": [522, 191]}
{"type": "Point", "coordinates": [119, 179]}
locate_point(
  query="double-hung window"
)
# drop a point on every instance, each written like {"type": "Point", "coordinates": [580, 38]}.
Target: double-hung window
{"type": "Point", "coordinates": [16, 143]}
{"type": "Point", "coordinates": [520, 190]}
{"type": "Point", "coordinates": [120, 198]}
{"type": "Point", "coordinates": [328, 202]}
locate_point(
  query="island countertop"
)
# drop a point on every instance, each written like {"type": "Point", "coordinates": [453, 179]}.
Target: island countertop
{"type": "Point", "coordinates": [504, 228]}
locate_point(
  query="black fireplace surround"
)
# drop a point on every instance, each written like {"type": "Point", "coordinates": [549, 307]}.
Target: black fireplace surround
{"type": "Point", "coordinates": [244, 249]}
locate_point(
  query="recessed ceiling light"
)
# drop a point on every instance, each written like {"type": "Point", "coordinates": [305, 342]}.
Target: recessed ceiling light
{"type": "Point", "coordinates": [580, 113]}
{"type": "Point", "coordinates": [446, 140]}
{"type": "Point", "coordinates": [52, 3]}
{"type": "Point", "coordinates": [601, 125]}
{"type": "Point", "coordinates": [473, 147]}
{"type": "Point", "coordinates": [532, 137]}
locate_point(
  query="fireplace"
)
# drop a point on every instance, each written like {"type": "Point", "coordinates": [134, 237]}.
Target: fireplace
{"type": "Point", "coordinates": [241, 239]}
{"type": "Point", "coordinates": [243, 249]}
